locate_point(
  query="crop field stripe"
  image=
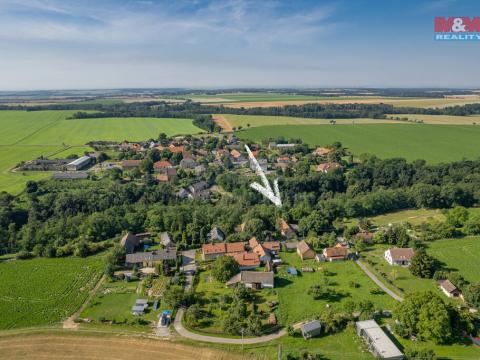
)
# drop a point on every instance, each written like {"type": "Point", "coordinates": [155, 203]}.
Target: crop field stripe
{"type": "Point", "coordinates": [60, 117]}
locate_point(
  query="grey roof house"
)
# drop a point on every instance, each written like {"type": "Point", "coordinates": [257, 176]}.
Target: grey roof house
{"type": "Point", "coordinates": [166, 240]}
{"type": "Point", "coordinates": [130, 242]}
{"type": "Point", "coordinates": [215, 235]}
{"type": "Point", "coordinates": [148, 259]}
{"type": "Point", "coordinates": [253, 279]}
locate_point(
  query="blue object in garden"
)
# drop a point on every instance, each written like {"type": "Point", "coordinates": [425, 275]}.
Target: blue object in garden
{"type": "Point", "coordinates": [292, 271]}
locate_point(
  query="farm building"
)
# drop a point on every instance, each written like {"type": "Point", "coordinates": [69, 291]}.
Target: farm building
{"type": "Point", "coordinates": [130, 242]}
{"type": "Point", "coordinates": [378, 342]}
{"type": "Point", "coordinates": [449, 289]}
{"type": "Point", "coordinates": [304, 251]}
{"type": "Point", "coordinates": [311, 329]}
{"type": "Point", "coordinates": [130, 164]}
{"type": "Point", "coordinates": [253, 279]}
{"type": "Point", "coordinates": [45, 165]}
{"type": "Point", "coordinates": [79, 175]}
{"type": "Point", "coordinates": [336, 253]}
{"type": "Point", "coordinates": [150, 259]}
{"type": "Point", "coordinates": [399, 256]}
{"type": "Point", "coordinates": [79, 164]}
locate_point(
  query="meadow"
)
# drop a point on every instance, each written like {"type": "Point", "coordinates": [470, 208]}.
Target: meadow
{"type": "Point", "coordinates": [45, 291]}
{"type": "Point", "coordinates": [297, 305]}
{"type": "Point", "coordinates": [459, 255]}
{"type": "Point", "coordinates": [433, 143]}
{"type": "Point", "coordinates": [441, 119]}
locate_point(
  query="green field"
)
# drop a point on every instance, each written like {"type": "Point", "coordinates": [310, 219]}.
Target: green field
{"type": "Point", "coordinates": [45, 291]}
{"type": "Point", "coordinates": [459, 255]}
{"type": "Point", "coordinates": [434, 143]}
{"type": "Point", "coordinates": [414, 217]}
{"type": "Point", "coordinates": [30, 134]}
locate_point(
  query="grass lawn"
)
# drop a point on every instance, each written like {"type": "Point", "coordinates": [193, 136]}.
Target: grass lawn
{"type": "Point", "coordinates": [210, 292]}
{"type": "Point", "coordinates": [459, 254]}
{"type": "Point", "coordinates": [45, 291]}
{"type": "Point", "coordinates": [414, 217]}
{"type": "Point", "coordinates": [296, 305]}
{"type": "Point", "coordinates": [434, 143]}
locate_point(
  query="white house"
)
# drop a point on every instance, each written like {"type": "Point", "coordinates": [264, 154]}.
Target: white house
{"type": "Point", "coordinates": [399, 256]}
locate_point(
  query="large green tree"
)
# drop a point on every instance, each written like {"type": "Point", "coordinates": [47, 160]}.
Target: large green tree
{"type": "Point", "coordinates": [422, 265]}
{"type": "Point", "coordinates": [224, 268]}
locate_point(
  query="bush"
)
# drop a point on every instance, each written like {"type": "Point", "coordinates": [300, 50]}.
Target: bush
{"type": "Point", "coordinates": [23, 255]}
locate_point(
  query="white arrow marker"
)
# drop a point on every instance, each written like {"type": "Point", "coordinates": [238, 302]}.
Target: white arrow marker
{"type": "Point", "coordinates": [266, 189]}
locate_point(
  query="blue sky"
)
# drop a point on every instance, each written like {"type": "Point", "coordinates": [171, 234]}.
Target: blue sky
{"type": "Point", "coordinates": [65, 44]}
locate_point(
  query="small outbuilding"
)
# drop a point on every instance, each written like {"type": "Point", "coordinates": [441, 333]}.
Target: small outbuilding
{"type": "Point", "coordinates": [311, 329]}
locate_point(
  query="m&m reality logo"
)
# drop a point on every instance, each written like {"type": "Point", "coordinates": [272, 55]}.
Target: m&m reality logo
{"type": "Point", "coordinates": [462, 28]}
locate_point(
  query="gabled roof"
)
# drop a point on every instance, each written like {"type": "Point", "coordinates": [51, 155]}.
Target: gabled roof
{"type": "Point", "coordinates": [311, 326]}
{"type": "Point", "coordinates": [235, 153]}
{"type": "Point", "coordinates": [247, 259]}
{"type": "Point", "coordinates": [272, 245]}
{"type": "Point", "coordinates": [303, 247]}
{"type": "Point", "coordinates": [218, 248]}
{"type": "Point", "coordinates": [336, 251]}
{"type": "Point", "coordinates": [328, 166]}
{"type": "Point", "coordinates": [447, 286]}
{"type": "Point", "coordinates": [162, 164]}
{"type": "Point", "coordinates": [235, 247]}
{"type": "Point", "coordinates": [130, 238]}
{"type": "Point", "coordinates": [401, 254]}
{"type": "Point", "coordinates": [253, 242]}
{"type": "Point", "coordinates": [139, 257]}
{"type": "Point", "coordinates": [252, 277]}
{"type": "Point", "coordinates": [130, 163]}
{"type": "Point", "coordinates": [321, 151]}
{"type": "Point", "coordinates": [165, 239]}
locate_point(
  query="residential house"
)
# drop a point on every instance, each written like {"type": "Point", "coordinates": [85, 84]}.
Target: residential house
{"type": "Point", "coordinates": [263, 163]}
{"type": "Point", "coordinates": [127, 146]}
{"type": "Point", "coordinates": [253, 279]}
{"type": "Point", "coordinates": [399, 256]}
{"type": "Point", "coordinates": [198, 187]}
{"type": "Point", "coordinates": [258, 249]}
{"type": "Point", "coordinates": [378, 342]}
{"type": "Point", "coordinates": [160, 167]}
{"type": "Point", "coordinates": [175, 149]}
{"type": "Point", "coordinates": [167, 175]}
{"type": "Point", "coordinates": [215, 235]}
{"type": "Point", "coordinates": [287, 229]}
{"type": "Point", "coordinates": [130, 242]}
{"type": "Point", "coordinates": [188, 163]}
{"type": "Point", "coordinates": [311, 329]}
{"type": "Point", "coordinates": [212, 251]}
{"type": "Point", "coordinates": [79, 164]}
{"type": "Point", "coordinates": [272, 246]}
{"type": "Point", "coordinates": [130, 164]}
{"type": "Point", "coordinates": [182, 194]}
{"type": "Point", "coordinates": [365, 237]}
{"type": "Point", "coordinates": [290, 245]}
{"type": "Point", "coordinates": [234, 248]}
{"type": "Point", "coordinates": [326, 167]}
{"type": "Point", "coordinates": [449, 289]}
{"type": "Point", "coordinates": [304, 251]}
{"type": "Point", "coordinates": [246, 260]}
{"type": "Point", "coordinates": [336, 253]}
{"type": "Point", "coordinates": [321, 151]}
{"type": "Point", "coordinates": [200, 170]}
{"type": "Point", "coordinates": [150, 259]}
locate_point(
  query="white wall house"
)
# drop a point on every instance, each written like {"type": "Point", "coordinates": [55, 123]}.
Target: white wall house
{"type": "Point", "coordinates": [398, 256]}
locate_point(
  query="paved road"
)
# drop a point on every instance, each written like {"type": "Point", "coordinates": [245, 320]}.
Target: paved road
{"type": "Point", "coordinates": [221, 340]}
{"type": "Point", "coordinates": [378, 282]}
{"type": "Point", "coordinates": [188, 261]}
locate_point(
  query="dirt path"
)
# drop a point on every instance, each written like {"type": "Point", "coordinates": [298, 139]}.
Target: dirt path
{"type": "Point", "coordinates": [378, 282]}
{"type": "Point", "coordinates": [70, 323]}
{"type": "Point", "coordinates": [221, 121]}
{"type": "Point", "coordinates": [75, 345]}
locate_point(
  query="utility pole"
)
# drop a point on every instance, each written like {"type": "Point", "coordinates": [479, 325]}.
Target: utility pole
{"type": "Point", "coordinates": [279, 352]}
{"type": "Point", "coordinates": [242, 330]}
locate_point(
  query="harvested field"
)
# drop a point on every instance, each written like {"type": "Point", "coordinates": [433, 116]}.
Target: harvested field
{"type": "Point", "coordinates": [84, 347]}
{"type": "Point", "coordinates": [420, 102]}
{"type": "Point", "coordinates": [441, 119]}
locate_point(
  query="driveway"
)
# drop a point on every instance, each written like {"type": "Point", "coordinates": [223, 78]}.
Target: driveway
{"type": "Point", "coordinates": [188, 261]}
{"type": "Point", "coordinates": [378, 282]}
{"type": "Point", "coordinates": [221, 340]}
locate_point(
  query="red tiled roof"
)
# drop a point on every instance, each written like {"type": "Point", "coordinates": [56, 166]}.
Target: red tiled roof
{"type": "Point", "coordinates": [214, 248]}
{"type": "Point", "coordinates": [247, 259]}
{"type": "Point", "coordinates": [399, 254]}
{"type": "Point", "coordinates": [336, 251]}
{"type": "Point", "coordinates": [303, 247]}
{"type": "Point", "coordinates": [235, 247]}
{"type": "Point", "coordinates": [272, 245]}
{"type": "Point", "coordinates": [162, 164]}
{"type": "Point", "coordinates": [322, 151]}
{"type": "Point", "coordinates": [253, 242]}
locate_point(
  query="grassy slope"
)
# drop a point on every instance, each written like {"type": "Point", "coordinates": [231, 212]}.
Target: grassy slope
{"type": "Point", "coordinates": [45, 291]}
{"type": "Point", "coordinates": [459, 254]}
{"type": "Point", "coordinates": [441, 119]}
{"type": "Point", "coordinates": [434, 143]}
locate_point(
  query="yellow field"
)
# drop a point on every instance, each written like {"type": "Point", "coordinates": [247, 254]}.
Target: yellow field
{"type": "Point", "coordinates": [229, 121]}
{"type": "Point", "coordinates": [89, 347]}
{"type": "Point", "coordinates": [421, 102]}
